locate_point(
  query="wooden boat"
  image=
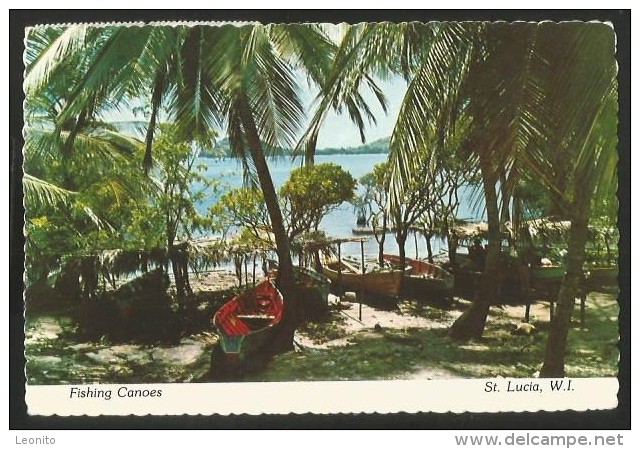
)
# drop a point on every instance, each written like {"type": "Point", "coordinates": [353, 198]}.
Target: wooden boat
{"type": "Point", "coordinates": [311, 278]}
{"type": "Point", "coordinates": [548, 273]}
{"type": "Point", "coordinates": [247, 322]}
{"type": "Point", "coordinates": [424, 277]}
{"type": "Point", "coordinates": [602, 276]}
{"type": "Point", "coordinates": [366, 230]}
{"type": "Point", "coordinates": [305, 277]}
{"type": "Point", "coordinates": [385, 282]}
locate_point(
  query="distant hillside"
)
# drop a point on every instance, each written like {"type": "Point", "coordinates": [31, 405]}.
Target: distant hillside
{"type": "Point", "coordinates": [223, 149]}
{"type": "Point", "coordinates": [138, 128]}
{"type": "Point", "coordinates": [375, 147]}
{"type": "Point", "coordinates": [379, 146]}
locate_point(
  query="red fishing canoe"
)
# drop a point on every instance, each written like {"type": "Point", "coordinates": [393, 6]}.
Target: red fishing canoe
{"type": "Point", "coordinates": [247, 322]}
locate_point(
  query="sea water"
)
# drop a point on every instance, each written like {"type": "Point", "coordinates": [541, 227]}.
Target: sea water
{"type": "Point", "coordinates": [340, 222]}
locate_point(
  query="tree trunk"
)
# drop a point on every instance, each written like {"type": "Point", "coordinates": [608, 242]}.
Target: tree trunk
{"type": "Point", "coordinates": [285, 279]}
{"type": "Point", "coordinates": [505, 199]}
{"type": "Point", "coordinates": [471, 324]}
{"type": "Point", "coordinates": [452, 247]}
{"type": "Point", "coordinates": [383, 236]}
{"type": "Point", "coordinates": [177, 275]}
{"type": "Point", "coordinates": [401, 239]}
{"type": "Point", "coordinates": [427, 237]}
{"type": "Point", "coordinates": [557, 342]}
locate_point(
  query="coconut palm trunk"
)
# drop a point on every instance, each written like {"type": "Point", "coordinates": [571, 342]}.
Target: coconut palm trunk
{"type": "Point", "coordinates": [285, 264]}
{"type": "Point", "coordinates": [471, 324]}
{"type": "Point", "coordinates": [560, 324]}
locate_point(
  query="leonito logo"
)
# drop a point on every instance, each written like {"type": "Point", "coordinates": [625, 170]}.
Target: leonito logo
{"type": "Point", "coordinates": [35, 440]}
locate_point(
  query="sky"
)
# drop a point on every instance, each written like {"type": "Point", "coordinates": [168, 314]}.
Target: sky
{"type": "Point", "coordinates": [337, 131]}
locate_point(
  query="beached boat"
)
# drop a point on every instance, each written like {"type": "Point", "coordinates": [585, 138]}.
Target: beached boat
{"type": "Point", "coordinates": [547, 273]}
{"type": "Point", "coordinates": [247, 322]}
{"type": "Point", "coordinates": [311, 278]}
{"type": "Point", "coordinates": [425, 278]}
{"type": "Point", "coordinates": [305, 277]}
{"type": "Point", "coordinates": [367, 230]}
{"type": "Point", "coordinates": [385, 281]}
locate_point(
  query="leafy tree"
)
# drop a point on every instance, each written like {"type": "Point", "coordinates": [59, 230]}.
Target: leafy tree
{"type": "Point", "coordinates": [418, 197]}
{"type": "Point", "coordinates": [240, 78]}
{"type": "Point", "coordinates": [242, 208]}
{"type": "Point", "coordinates": [173, 207]}
{"type": "Point", "coordinates": [376, 199]}
{"type": "Point", "coordinates": [311, 192]}
{"type": "Point", "coordinates": [441, 209]}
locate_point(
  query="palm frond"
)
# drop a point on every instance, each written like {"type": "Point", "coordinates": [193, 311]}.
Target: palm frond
{"type": "Point", "coordinates": [40, 193]}
{"type": "Point", "coordinates": [50, 50]}
{"type": "Point", "coordinates": [362, 50]}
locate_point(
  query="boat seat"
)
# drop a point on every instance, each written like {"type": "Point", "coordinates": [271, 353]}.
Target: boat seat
{"type": "Point", "coordinates": [256, 317]}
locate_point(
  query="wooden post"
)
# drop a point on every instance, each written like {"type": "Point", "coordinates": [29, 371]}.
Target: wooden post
{"type": "Point", "coordinates": [527, 311]}
{"type": "Point", "coordinates": [415, 240]}
{"type": "Point", "coordinates": [339, 267]}
{"type": "Point", "coordinates": [362, 282]}
{"type": "Point", "coordinates": [254, 269]}
{"type": "Point", "coordinates": [246, 270]}
{"type": "Point", "coordinates": [583, 304]}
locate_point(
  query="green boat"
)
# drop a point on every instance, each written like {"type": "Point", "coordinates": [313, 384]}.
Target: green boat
{"type": "Point", "coordinates": [548, 273]}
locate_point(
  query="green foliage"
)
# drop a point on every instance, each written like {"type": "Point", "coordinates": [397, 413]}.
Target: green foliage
{"type": "Point", "coordinates": [103, 188]}
{"type": "Point", "coordinates": [306, 197]}
{"type": "Point", "coordinates": [536, 199]}
{"type": "Point", "coordinates": [604, 235]}
{"type": "Point", "coordinates": [373, 202]}
{"type": "Point", "coordinates": [241, 208]}
{"type": "Point", "coordinates": [116, 206]}
{"type": "Point", "coordinates": [174, 202]}
{"type": "Point", "coordinates": [313, 191]}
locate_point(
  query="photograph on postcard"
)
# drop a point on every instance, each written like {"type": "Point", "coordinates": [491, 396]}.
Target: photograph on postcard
{"type": "Point", "coordinates": [381, 212]}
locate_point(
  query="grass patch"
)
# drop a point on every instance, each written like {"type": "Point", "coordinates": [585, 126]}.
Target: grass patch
{"type": "Point", "coordinates": [55, 355]}
{"type": "Point", "coordinates": [328, 328]}
{"type": "Point", "coordinates": [392, 354]}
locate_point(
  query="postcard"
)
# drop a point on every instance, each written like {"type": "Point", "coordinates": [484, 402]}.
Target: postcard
{"type": "Point", "coordinates": [375, 217]}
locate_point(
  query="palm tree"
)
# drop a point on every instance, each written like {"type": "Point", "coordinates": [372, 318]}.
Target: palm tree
{"type": "Point", "coordinates": [508, 79]}
{"type": "Point", "coordinates": [584, 109]}
{"type": "Point", "coordinates": [242, 78]}
{"type": "Point", "coordinates": [540, 98]}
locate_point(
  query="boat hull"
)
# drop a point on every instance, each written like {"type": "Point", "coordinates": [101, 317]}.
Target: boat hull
{"type": "Point", "coordinates": [305, 277]}
{"type": "Point", "coordinates": [247, 323]}
{"type": "Point", "coordinates": [424, 278]}
{"type": "Point", "coordinates": [549, 273]}
{"type": "Point", "coordinates": [384, 282]}
{"type": "Point", "coordinates": [311, 278]}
